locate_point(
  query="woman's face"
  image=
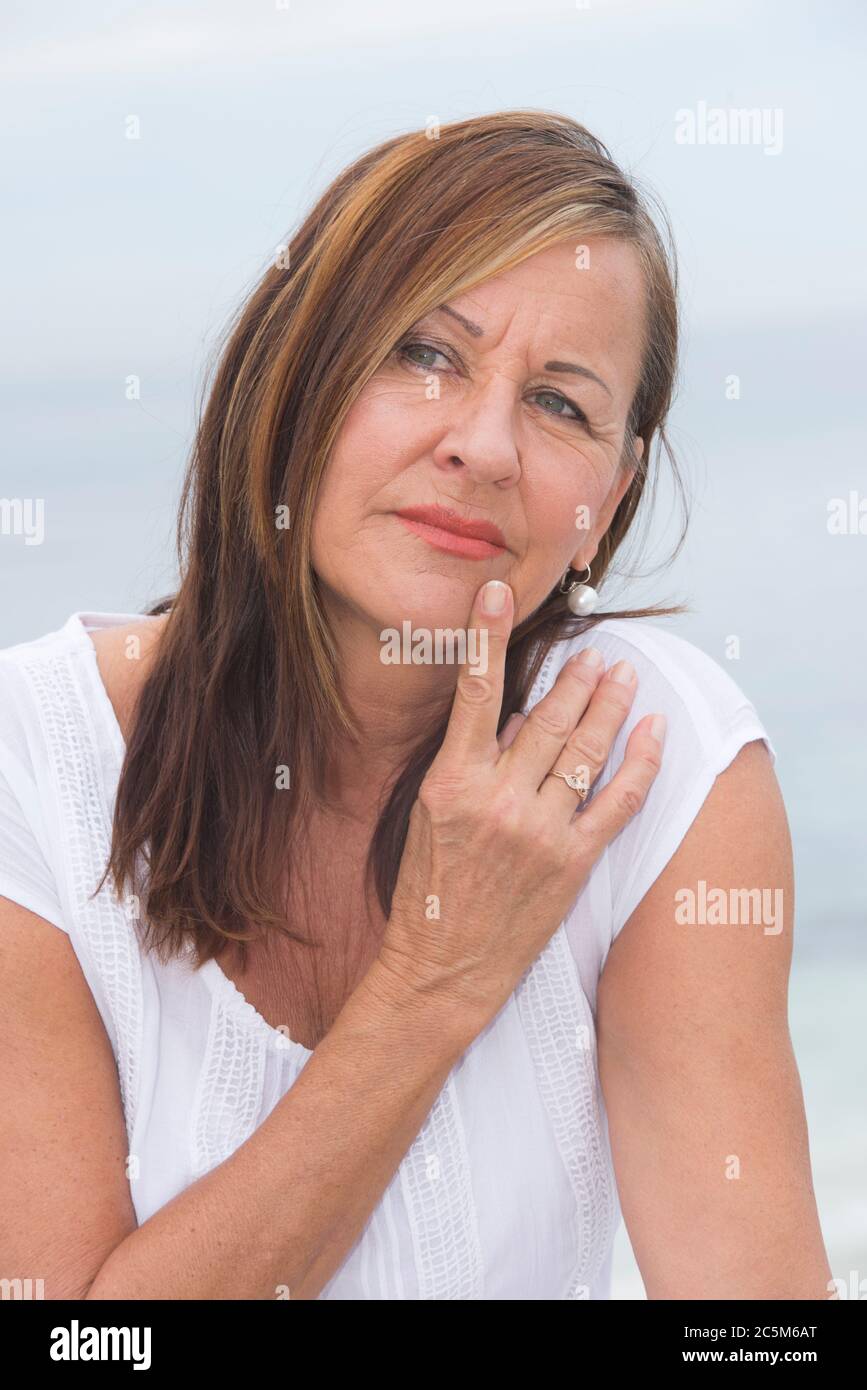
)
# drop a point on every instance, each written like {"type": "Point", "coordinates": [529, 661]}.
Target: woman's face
{"type": "Point", "coordinates": [477, 414]}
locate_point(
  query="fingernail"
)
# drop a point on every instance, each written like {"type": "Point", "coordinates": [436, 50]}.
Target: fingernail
{"type": "Point", "coordinates": [623, 673]}
{"type": "Point", "coordinates": [511, 726]}
{"type": "Point", "coordinates": [588, 657]}
{"type": "Point", "coordinates": [494, 596]}
{"type": "Point", "coordinates": [657, 727]}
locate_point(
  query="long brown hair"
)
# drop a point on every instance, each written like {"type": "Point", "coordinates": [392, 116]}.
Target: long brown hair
{"type": "Point", "coordinates": [245, 682]}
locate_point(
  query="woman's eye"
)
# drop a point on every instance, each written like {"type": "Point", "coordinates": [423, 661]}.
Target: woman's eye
{"type": "Point", "coordinates": [412, 350]}
{"type": "Point", "coordinates": [406, 349]}
{"type": "Point", "coordinates": [559, 400]}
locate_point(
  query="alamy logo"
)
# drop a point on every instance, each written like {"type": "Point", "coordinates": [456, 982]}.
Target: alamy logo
{"type": "Point", "coordinates": [23, 516]}
{"type": "Point", "coordinates": [444, 646]}
{"type": "Point", "coordinates": [26, 1289]}
{"type": "Point", "coordinates": [76, 1343]}
{"type": "Point", "coordinates": [730, 125]}
{"type": "Point", "coordinates": [720, 907]}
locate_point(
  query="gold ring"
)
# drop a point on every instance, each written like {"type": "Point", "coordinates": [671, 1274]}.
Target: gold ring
{"type": "Point", "coordinates": [573, 780]}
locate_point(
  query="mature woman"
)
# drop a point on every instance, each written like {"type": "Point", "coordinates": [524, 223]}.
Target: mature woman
{"type": "Point", "coordinates": [326, 1013]}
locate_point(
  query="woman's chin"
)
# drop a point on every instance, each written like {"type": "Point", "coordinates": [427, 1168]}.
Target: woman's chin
{"type": "Point", "coordinates": [425, 600]}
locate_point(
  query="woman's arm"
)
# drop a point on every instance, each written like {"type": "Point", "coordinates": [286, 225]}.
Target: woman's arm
{"type": "Point", "coordinates": [283, 1210]}
{"type": "Point", "coordinates": [706, 1115]}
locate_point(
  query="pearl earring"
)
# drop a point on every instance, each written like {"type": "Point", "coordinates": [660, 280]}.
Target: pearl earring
{"type": "Point", "coordinates": [582, 599]}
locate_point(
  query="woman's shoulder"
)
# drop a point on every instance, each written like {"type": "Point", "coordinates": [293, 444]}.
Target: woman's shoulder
{"type": "Point", "coordinates": [36, 672]}
{"type": "Point", "coordinates": [123, 655]}
{"type": "Point", "coordinates": [40, 738]}
{"type": "Point", "coordinates": [707, 710]}
{"type": "Point", "coordinates": [60, 756]}
{"type": "Point", "coordinates": [81, 630]}
{"type": "Point", "coordinates": [709, 718]}
{"type": "Point", "coordinates": [25, 670]}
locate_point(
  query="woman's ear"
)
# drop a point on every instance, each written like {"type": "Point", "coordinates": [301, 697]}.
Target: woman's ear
{"type": "Point", "coordinates": [632, 452]}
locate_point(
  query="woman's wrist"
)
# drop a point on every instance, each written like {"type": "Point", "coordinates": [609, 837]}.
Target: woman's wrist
{"type": "Point", "coordinates": [414, 1009]}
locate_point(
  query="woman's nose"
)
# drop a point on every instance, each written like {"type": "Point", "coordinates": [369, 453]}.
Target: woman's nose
{"type": "Point", "coordinates": [480, 435]}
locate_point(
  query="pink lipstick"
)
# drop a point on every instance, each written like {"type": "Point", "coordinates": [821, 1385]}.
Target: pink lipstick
{"type": "Point", "coordinates": [445, 530]}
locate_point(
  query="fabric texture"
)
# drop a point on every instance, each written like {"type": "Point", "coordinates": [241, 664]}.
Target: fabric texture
{"type": "Point", "coordinates": [508, 1190]}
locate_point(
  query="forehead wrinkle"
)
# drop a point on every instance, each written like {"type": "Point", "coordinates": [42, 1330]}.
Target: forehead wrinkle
{"type": "Point", "coordinates": [556, 364]}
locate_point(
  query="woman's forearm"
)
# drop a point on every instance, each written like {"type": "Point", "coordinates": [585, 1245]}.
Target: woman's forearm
{"type": "Point", "coordinates": [285, 1208]}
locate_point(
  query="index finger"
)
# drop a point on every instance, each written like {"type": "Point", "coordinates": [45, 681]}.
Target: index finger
{"type": "Point", "coordinates": [471, 734]}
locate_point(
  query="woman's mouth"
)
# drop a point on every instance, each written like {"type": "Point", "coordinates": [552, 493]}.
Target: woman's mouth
{"type": "Point", "coordinates": [474, 540]}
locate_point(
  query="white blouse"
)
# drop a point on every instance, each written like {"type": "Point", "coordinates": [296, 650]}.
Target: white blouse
{"type": "Point", "coordinates": [508, 1190]}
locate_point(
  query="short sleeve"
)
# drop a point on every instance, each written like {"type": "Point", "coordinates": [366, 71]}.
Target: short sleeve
{"type": "Point", "coordinates": [709, 719]}
{"type": "Point", "coordinates": [25, 872]}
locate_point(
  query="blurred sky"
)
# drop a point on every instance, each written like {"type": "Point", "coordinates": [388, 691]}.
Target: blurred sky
{"type": "Point", "coordinates": [126, 257]}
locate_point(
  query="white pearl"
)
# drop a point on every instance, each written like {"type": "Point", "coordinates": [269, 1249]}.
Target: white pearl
{"type": "Point", "coordinates": [582, 601]}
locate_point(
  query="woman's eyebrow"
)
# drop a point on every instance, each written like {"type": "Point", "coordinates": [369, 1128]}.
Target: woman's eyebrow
{"type": "Point", "coordinates": [471, 327]}
{"type": "Point", "coordinates": [577, 371]}
{"type": "Point", "coordinates": [478, 332]}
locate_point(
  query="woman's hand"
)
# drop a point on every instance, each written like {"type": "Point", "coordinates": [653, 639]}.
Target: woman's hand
{"type": "Point", "coordinates": [495, 853]}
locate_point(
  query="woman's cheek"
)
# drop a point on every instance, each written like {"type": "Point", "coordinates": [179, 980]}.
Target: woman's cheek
{"type": "Point", "coordinates": [570, 513]}
{"type": "Point", "coordinates": [388, 401]}
{"type": "Point", "coordinates": [587, 498]}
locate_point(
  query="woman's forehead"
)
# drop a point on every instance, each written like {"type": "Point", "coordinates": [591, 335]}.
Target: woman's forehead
{"type": "Point", "coordinates": [580, 310]}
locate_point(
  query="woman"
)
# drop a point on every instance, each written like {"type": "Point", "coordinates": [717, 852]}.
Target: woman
{"type": "Point", "coordinates": [326, 1015]}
